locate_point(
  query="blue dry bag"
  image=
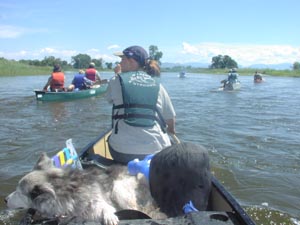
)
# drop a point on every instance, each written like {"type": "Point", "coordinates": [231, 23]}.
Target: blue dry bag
{"type": "Point", "coordinates": [136, 166]}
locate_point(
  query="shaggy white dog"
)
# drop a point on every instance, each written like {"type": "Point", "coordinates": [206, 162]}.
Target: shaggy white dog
{"type": "Point", "coordinates": [82, 195]}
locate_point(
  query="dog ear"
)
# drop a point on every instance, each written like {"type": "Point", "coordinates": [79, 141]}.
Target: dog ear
{"type": "Point", "coordinates": [40, 190]}
{"type": "Point", "coordinates": [43, 163]}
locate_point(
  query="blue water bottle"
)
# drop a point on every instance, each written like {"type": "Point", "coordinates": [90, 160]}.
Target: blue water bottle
{"type": "Point", "coordinates": [189, 207]}
{"type": "Point", "coordinates": [136, 166]}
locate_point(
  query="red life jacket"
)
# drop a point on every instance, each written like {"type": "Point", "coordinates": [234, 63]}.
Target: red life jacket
{"type": "Point", "coordinates": [90, 74]}
{"type": "Point", "coordinates": [58, 80]}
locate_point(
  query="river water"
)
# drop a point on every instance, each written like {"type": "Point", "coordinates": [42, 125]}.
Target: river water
{"type": "Point", "coordinates": [252, 135]}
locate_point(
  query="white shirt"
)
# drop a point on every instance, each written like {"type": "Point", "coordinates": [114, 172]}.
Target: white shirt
{"type": "Point", "coordinates": [139, 140]}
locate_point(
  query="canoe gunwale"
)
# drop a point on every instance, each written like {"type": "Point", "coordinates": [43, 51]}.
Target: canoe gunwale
{"type": "Point", "coordinates": [239, 212]}
{"type": "Point", "coordinates": [46, 96]}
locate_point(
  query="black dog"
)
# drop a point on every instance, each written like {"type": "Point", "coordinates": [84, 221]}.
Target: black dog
{"type": "Point", "coordinates": [180, 174]}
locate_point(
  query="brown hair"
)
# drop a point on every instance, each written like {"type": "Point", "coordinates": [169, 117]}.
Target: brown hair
{"type": "Point", "coordinates": [56, 68]}
{"type": "Point", "coordinates": [152, 68]}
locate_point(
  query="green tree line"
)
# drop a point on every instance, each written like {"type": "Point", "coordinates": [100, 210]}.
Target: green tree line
{"type": "Point", "coordinates": [296, 66]}
{"type": "Point", "coordinates": [83, 60]}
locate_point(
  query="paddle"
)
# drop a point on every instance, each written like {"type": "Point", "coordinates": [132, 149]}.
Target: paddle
{"type": "Point", "coordinates": [175, 138]}
{"type": "Point", "coordinates": [104, 81]}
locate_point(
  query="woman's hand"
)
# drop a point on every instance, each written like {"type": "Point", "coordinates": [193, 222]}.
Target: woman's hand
{"type": "Point", "coordinates": [171, 126]}
{"type": "Point", "coordinates": [118, 69]}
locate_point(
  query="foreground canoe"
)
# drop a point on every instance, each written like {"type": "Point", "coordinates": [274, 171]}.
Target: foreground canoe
{"type": "Point", "coordinates": [223, 207]}
{"type": "Point", "coordinates": [65, 96]}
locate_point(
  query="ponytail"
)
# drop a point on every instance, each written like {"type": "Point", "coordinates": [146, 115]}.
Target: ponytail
{"type": "Point", "coordinates": [152, 68]}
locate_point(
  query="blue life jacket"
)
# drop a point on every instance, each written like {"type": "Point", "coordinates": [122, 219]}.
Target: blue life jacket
{"type": "Point", "coordinates": [233, 77]}
{"type": "Point", "coordinates": [78, 81]}
{"type": "Point", "coordinates": [140, 93]}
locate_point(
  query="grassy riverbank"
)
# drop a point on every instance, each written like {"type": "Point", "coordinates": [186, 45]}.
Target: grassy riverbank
{"type": "Point", "coordinates": [244, 71]}
{"type": "Point", "coordinates": [14, 68]}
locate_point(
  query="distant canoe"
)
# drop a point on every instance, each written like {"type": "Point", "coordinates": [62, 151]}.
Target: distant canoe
{"type": "Point", "coordinates": [72, 95]}
{"type": "Point", "coordinates": [182, 74]}
{"type": "Point", "coordinates": [231, 86]}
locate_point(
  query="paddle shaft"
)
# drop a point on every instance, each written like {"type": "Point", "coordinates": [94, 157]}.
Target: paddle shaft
{"type": "Point", "coordinates": [175, 138]}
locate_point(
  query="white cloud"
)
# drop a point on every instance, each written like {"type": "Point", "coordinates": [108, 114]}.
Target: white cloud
{"type": "Point", "coordinates": [110, 58]}
{"type": "Point", "coordinates": [15, 55]}
{"type": "Point", "coordinates": [113, 47]}
{"type": "Point", "coordinates": [8, 32]}
{"type": "Point", "coordinates": [58, 53]}
{"type": "Point", "coordinates": [48, 50]}
{"type": "Point", "coordinates": [40, 54]}
{"type": "Point", "coordinates": [243, 54]}
{"type": "Point", "coordinates": [93, 50]}
{"type": "Point", "coordinates": [97, 54]}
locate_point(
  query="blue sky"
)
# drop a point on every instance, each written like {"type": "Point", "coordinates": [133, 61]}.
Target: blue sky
{"type": "Point", "coordinates": [249, 31]}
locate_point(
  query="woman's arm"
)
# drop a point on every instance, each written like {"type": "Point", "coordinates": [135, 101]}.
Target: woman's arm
{"type": "Point", "coordinates": [47, 84]}
{"type": "Point", "coordinates": [171, 126]}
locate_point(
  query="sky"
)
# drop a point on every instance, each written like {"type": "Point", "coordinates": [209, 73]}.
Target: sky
{"type": "Point", "coordinates": [186, 31]}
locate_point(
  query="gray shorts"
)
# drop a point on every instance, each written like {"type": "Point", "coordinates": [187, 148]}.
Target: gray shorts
{"type": "Point", "coordinates": [124, 158]}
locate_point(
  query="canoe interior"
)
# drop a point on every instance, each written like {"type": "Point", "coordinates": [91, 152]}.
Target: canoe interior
{"type": "Point", "coordinates": [222, 209]}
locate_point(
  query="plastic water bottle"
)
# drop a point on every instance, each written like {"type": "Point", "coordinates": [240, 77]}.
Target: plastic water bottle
{"type": "Point", "coordinates": [136, 166]}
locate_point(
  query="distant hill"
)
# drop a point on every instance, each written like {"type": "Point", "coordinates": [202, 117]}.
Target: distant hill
{"type": "Point", "coordinates": [281, 66]}
{"type": "Point", "coordinates": [195, 65]}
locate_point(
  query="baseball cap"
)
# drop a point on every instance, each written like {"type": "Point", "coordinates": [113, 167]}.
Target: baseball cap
{"type": "Point", "coordinates": [138, 53]}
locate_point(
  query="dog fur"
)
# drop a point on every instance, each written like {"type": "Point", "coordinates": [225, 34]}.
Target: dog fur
{"type": "Point", "coordinates": [84, 195]}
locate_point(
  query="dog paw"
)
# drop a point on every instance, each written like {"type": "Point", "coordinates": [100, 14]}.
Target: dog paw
{"type": "Point", "coordinates": [110, 218]}
{"type": "Point", "coordinates": [25, 220]}
{"type": "Point", "coordinates": [28, 218]}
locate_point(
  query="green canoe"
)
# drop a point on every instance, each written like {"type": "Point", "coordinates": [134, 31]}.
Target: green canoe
{"type": "Point", "coordinates": [65, 96]}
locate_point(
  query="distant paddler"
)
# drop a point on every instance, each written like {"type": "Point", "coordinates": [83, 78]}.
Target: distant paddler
{"type": "Point", "coordinates": [92, 74]}
{"type": "Point", "coordinates": [258, 77]}
{"type": "Point", "coordinates": [80, 82]}
{"type": "Point", "coordinates": [56, 81]}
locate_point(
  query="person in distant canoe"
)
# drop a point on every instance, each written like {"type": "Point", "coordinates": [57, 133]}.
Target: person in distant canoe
{"type": "Point", "coordinates": [92, 74]}
{"type": "Point", "coordinates": [80, 82]}
{"type": "Point", "coordinates": [142, 109]}
{"type": "Point", "coordinates": [257, 77]}
{"type": "Point", "coordinates": [56, 81]}
{"type": "Point", "coordinates": [232, 77]}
